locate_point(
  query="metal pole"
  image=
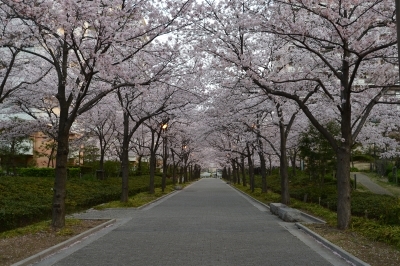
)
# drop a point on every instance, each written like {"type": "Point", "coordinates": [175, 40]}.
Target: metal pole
{"type": "Point", "coordinates": [355, 181]}
{"type": "Point", "coordinates": [398, 30]}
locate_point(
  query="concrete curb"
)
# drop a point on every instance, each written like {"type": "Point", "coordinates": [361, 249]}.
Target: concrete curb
{"type": "Point", "coordinates": [160, 198]}
{"type": "Point", "coordinates": [250, 197]}
{"type": "Point", "coordinates": [47, 252]}
{"type": "Point", "coordinates": [166, 195]}
{"type": "Point", "coordinates": [313, 218]}
{"type": "Point", "coordinates": [335, 249]}
{"type": "Point", "coordinates": [153, 201]}
{"type": "Point", "coordinates": [308, 216]}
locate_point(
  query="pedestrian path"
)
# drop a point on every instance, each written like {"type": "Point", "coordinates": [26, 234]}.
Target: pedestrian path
{"type": "Point", "coordinates": [369, 184]}
{"type": "Point", "coordinates": [207, 223]}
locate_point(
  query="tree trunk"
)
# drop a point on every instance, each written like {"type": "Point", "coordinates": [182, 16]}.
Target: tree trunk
{"type": "Point", "coordinates": [174, 165]}
{"type": "Point", "coordinates": [234, 172]}
{"type": "Point", "coordinates": [51, 156]}
{"type": "Point", "coordinates": [285, 197]}
{"type": "Point", "coordinates": [243, 171]}
{"type": "Point", "coordinates": [293, 161]}
{"type": "Point", "coordinates": [263, 171]}
{"type": "Point", "coordinates": [180, 175]}
{"type": "Point", "coordinates": [344, 188]}
{"type": "Point", "coordinates": [60, 181]}
{"type": "Point", "coordinates": [225, 174]}
{"type": "Point", "coordinates": [251, 169]}
{"type": "Point", "coordinates": [185, 173]}
{"type": "Point", "coordinates": [125, 160]}
{"type": "Point", "coordinates": [152, 172]}
{"type": "Point", "coordinates": [152, 163]}
{"type": "Point", "coordinates": [237, 171]}
{"type": "Point", "coordinates": [344, 151]}
{"type": "Point", "coordinates": [270, 164]}
{"type": "Point", "coordinates": [100, 172]}
{"type": "Point", "coordinates": [139, 166]}
{"type": "Point", "coordinates": [165, 167]}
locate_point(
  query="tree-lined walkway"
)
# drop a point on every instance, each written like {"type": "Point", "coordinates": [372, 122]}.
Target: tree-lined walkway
{"type": "Point", "coordinates": [207, 223]}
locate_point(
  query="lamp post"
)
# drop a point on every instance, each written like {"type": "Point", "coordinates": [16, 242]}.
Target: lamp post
{"type": "Point", "coordinates": [164, 175]}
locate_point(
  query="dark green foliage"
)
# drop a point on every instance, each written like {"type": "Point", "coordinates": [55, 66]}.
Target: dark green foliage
{"type": "Point", "coordinates": [87, 171]}
{"type": "Point", "coordinates": [377, 231]}
{"type": "Point", "coordinates": [362, 158]}
{"type": "Point", "coordinates": [383, 208]}
{"type": "Point", "coordinates": [144, 169]}
{"type": "Point", "coordinates": [36, 172]}
{"type": "Point", "coordinates": [381, 221]}
{"type": "Point", "coordinates": [392, 178]}
{"type": "Point", "coordinates": [24, 200]}
{"type": "Point", "coordinates": [46, 172]}
{"type": "Point", "coordinates": [354, 169]}
{"type": "Point", "coordinates": [112, 168]}
{"type": "Point", "coordinates": [13, 151]}
{"type": "Point", "coordinates": [319, 156]}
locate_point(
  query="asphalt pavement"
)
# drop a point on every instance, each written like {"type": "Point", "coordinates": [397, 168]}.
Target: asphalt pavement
{"type": "Point", "coordinates": [207, 223]}
{"type": "Point", "coordinates": [369, 184]}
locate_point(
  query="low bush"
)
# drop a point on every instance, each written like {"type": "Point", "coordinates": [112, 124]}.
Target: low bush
{"type": "Point", "coordinates": [24, 200]}
{"type": "Point", "coordinates": [362, 158]}
{"type": "Point", "coordinates": [382, 208]}
{"type": "Point", "coordinates": [376, 217]}
{"type": "Point", "coordinates": [36, 172]}
{"type": "Point", "coordinates": [395, 179]}
{"type": "Point", "coordinates": [46, 172]}
{"type": "Point", "coordinates": [376, 231]}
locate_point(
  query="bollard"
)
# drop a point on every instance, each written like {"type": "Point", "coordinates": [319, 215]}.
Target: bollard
{"type": "Point", "coordinates": [355, 181]}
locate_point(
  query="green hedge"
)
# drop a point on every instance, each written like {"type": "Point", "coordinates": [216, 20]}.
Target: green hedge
{"type": "Point", "coordinates": [362, 158]}
{"type": "Point", "coordinates": [24, 200]}
{"type": "Point", "coordinates": [383, 208]}
{"type": "Point", "coordinates": [45, 172]}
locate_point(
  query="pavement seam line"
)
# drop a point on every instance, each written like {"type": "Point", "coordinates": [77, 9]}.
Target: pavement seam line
{"type": "Point", "coordinates": [346, 255]}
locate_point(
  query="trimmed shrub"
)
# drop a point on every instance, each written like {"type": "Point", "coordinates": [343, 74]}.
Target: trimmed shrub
{"type": "Point", "coordinates": [45, 172]}
{"type": "Point", "coordinates": [354, 169]}
{"type": "Point", "coordinates": [36, 172]}
{"type": "Point", "coordinates": [25, 200]}
{"type": "Point", "coordinates": [362, 158]}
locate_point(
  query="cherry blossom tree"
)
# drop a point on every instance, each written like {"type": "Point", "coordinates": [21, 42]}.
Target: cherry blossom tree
{"type": "Point", "coordinates": [339, 54]}
{"type": "Point", "coordinates": [89, 45]}
{"type": "Point", "coordinates": [100, 121]}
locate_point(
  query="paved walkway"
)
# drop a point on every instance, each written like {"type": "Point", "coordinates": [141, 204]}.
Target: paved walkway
{"type": "Point", "coordinates": [207, 223]}
{"type": "Point", "coordinates": [372, 186]}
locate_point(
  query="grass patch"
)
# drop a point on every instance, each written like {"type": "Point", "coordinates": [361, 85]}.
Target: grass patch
{"type": "Point", "coordinates": [42, 226]}
{"type": "Point", "coordinates": [137, 200]}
